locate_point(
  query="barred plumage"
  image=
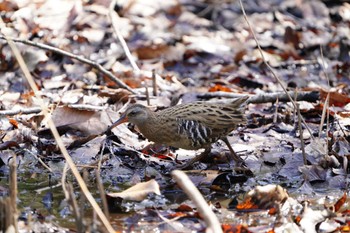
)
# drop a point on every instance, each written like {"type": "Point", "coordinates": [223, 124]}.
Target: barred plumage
{"type": "Point", "coordinates": [189, 126]}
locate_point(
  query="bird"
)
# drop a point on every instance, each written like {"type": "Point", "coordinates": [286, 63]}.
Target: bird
{"type": "Point", "coordinates": [189, 126]}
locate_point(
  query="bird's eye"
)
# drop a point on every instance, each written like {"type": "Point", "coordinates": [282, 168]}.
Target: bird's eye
{"type": "Point", "coordinates": [132, 113]}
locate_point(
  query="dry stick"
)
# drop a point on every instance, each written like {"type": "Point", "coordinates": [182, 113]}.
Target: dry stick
{"type": "Point", "coordinates": [39, 159]}
{"type": "Point", "coordinates": [63, 179]}
{"type": "Point", "coordinates": [20, 110]}
{"type": "Point", "coordinates": [40, 190]}
{"type": "Point", "coordinates": [102, 193]}
{"type": "Point", "coordinates": [154, 82]}
{"type": "Point", "coordinates": [192, 192]}
{"type": "Point", "coordinates": [270, 68]}
{"type": "Point", "coordinates": [57, 137]}
{"type": "Point", "coordinates": [113, 16]}
{"type": "Point", "coordinates": [82, 198]}
{"type": "Point", "coordinates": [261, 98]}
{"type": "Point", "coordinates": [295, 113]}
{"type": "Point", "coordinates": [73, 56]}
{"type": "Point", "coordinates": [326, 105]}
{"type": "Point", "coordinates": [275, 117]}
{"type": "Point", "coordinates": [13, 190]}
{"type": "Point", "coordinates": [323, 116]}
{"type": "Point", "coordinates": [147, 94]}
{"type": "Point", "coordinates": [170, 222]}
{"type": "Point", "coordinates": [100, 184]}
{"type": "Point", "coordinates": [7, 220]}
{"type": "Point", "coordinates": [264, 98]}
{"type": "Point", "coordinates": [75, 209]}
{"type": "Point", "coordinates": [301, 135]}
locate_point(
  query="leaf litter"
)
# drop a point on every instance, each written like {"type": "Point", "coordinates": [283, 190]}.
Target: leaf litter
{"type": "Point", "coordinates": [196, 47]}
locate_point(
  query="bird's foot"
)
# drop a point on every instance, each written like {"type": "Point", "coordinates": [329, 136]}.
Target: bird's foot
{"type": "Point", "coordinates": [187, 165]}
{"type": "Point", "coordinates": [157, 150]}
{"type": "Point", "coordinates": [195, 159]}
{"type": "Point", "coordinates": [239, 166]}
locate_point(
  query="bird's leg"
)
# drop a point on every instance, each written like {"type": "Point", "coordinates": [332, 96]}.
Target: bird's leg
{"type": "Point", "coordinates": [195, 159]}
{"type": "Point", "coordinates": [234, 156]}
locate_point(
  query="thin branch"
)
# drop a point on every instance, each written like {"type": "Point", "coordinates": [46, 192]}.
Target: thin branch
{"type": "Point", "coordinates": [256, 99]}
{"type": "Point", "coordinates": [114, 18]}
{"type": "Point", "coordinates": [301, 135]}
{"type": "Point", "coordinates": [100, 183]}
{"type": "Point", "coordinates": [73, 56]}
{"type": "Point", "coordinates": [35, 110]}
{"type": "Point", "coordinates": [13, 190]}
{"type": "Point", "coordinates": [192, 192]}
{"type": "Point", "coordinates": [264, 98]}
{"type": "Point", "coordinates": [154, 82]}
{"type": "Point", "coordinates": [326, 104]}
{"type": "Point", "coordinates": [270, 68]}
{"type": "Point", "coordinates": [13, 112]}
{"type": "Point", "coordinates": [75, 208]}
{"type": "Point", "coordinates": [39, 159]}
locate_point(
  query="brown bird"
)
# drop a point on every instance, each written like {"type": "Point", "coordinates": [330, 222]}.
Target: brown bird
{"type": "Point", "coordinates": [189, 126]}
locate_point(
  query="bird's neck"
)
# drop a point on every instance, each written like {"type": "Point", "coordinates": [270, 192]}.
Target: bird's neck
{"type": "Point", "coordinates": [149, 126]}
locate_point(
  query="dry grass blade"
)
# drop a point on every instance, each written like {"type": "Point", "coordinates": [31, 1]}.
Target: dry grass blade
{"type": "Point", "coordinates": [301, 135]}
{"type": "Point", "coordinates": [75, 209]}
{"type": "Point", "coordinates": [326, 104]}
{"type": "Point", "coordinates": [192, 192]}
{"type": "Point", "coordinates": [323, 117]}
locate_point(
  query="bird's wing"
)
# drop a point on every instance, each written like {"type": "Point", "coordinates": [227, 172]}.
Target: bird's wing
{"type": "Point", "coordinates": [210, 115]}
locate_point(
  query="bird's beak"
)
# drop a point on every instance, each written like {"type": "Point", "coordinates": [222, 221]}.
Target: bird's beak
{"type": "Point", "coordinates": [121, 120]}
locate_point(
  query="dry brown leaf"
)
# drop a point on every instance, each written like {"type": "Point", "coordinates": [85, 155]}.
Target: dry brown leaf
{"type": "Point", "coordinates": [264, 197]}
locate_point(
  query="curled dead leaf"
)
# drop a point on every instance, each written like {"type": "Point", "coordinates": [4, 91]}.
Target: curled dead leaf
{"type": "Point", "coordinates": [139, 191]}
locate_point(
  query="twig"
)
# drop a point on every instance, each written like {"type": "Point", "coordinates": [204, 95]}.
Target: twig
{"type": "Point", "coordinates": [301, 135]}
{"type": "Point", "coordinates": [102, 193]}
{"type": "Point", "coordinates": [154, 82]}
{"type": "Point", "coordinates": [63, 179]}
{"type": "Point", "coordinates": [7, 219]}
{"type": "Point", "coordinates": [56, 135]}
{"type": "Point", "coordinates": [100, 184]}
{"type": "Point", "coordinates": [13, 190]}
{"type": "Point", "coordinates": [82, 199]}
{"type": "Point", "coordinates": [47, 188]}
{"type": "Point", "coordinates": [275, 117]}
{"type": "Point", "coordinates": [113, 16]}
{"type": "Point", "coordinates": [270, 68]}
{"type": "Point", "coordinates": [73, 56]}
{"type": "Point", "coordinates": [13, 112]}
{"type": "Point", "coordinates": [326, 104]}
{"type": "Point", "coordinates": [192, 192]}
{"type": "Point", "coordinates": [147, 93]}
{"type": "Point", "coordinates": [264, 98]}
{"type": "Point", "coordinates": [75, 209]}
{"type": "Point", "coordinates": [325, 110]}
{"type": "Point", "coordinates": [170, 222]}
{"type": "Point", "coordinates": [35, 110]}
{"type": "Point", "coordinates": [39, 159]}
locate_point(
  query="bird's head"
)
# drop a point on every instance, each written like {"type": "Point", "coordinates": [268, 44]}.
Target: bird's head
{"type": "Point", "coordinates": [136, 114]}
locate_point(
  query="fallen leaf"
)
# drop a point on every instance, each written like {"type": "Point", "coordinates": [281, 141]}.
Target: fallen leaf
{"type": "Point", "coordinates": [139, 191]}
